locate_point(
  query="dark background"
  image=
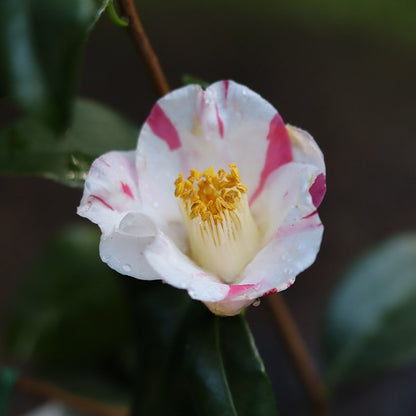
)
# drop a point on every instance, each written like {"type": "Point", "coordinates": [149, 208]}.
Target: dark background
{"type": "Point", "coordinates": [350, 85]}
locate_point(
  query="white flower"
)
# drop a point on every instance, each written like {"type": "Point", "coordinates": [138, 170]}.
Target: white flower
{"type": "Point", "coordinates": [242, 225]}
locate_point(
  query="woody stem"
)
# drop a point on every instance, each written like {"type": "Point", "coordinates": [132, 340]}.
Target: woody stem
{"type": "Point", "coordinates": [301, 357]}
{"type": "Point", "coordinates": [144, 48]}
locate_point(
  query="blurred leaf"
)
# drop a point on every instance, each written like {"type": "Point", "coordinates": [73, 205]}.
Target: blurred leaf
{"type": "Point", "coordinates": [40, 49]}
{"type": "Point", "coordinates": [28, 147]}
{"type": "Point", "coordinates": [200, 364]}
{"type": "Point", "coordinates": [71, 310]}
{"type": "Point", "coordinates": [190, 79]}
{"type": "Point", "coordinates": [249, 383]}
{"type": "Point", "coordinates": [370, 322]}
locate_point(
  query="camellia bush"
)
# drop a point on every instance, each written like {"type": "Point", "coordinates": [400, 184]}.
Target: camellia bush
{"type": "Point", "coordinates": [207, 208]}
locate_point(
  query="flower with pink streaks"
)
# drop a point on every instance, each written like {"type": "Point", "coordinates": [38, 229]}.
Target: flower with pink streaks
{"type": "Point", "coordinates": [220, 198]}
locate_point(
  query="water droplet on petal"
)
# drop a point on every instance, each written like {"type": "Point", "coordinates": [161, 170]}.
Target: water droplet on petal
{"type": "Point", "coordinates": [256, 302]}
{"type": "Point", "coordinates": [126, 267]}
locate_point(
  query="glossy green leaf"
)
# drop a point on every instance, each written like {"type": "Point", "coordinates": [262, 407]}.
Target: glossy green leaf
{"type": "Point", "coordinates": [208, 381]}
{"type": "Point", "coordinates": [190, 79]}
{"type": "Point", "coordinates": [249, 383]}
{"type": "Point", "coordinates": [370, 322]}
{"type": "Point", "coordinates": [40, 49]}
{"type": "Point", "coordinates": [71, 309]}
{"type": "Point", "coordinates": [28, 147]}
{"type": "Point", "coordinates": [199, 363]}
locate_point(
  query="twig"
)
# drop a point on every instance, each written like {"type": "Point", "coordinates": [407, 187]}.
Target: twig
{"type": "Point", "coordinates": [300, 355]}
{"type": "Point", "coordinates": [141, 41]}
{"type": "Point", "coordinates": [82, 404]}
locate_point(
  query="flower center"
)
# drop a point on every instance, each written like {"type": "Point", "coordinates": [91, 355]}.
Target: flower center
{"type": "Point", "coordinates": [222, 233]}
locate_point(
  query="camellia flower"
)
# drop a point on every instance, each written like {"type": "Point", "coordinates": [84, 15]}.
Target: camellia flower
{"type": "Point", "coordinates": [220, 198]}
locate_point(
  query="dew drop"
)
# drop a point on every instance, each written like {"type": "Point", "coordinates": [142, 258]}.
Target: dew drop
{"type": "Point", "coordinates": [126, 267]}
{"type": "Point", "coordinates": [256, 302]}
{"type": "Point", "coordinates": [155, 204]}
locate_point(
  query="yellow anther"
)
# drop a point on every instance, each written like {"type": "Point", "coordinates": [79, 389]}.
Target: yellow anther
{"type": "Point", "coordinates": [196, 174]}
{"type": "Point", "coordinates": [209, 194]}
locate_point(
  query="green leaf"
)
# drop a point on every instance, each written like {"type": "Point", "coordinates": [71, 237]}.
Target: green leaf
{"type": "Point", "coordinates": [370, 322]}
{"type": "Point", "coordinates": [71, 310]}
{"type": "Point", "coordinates": [40, 49]}
{"type": "Point", "coordinates": [245, 369]}
{"type": "Point", "coordinates": [199, 363]}
{"type": "Point", "coordinates": [28, 147]}
{"type": "Point", "coordinates": [190, 79]}
{"type": "Point", "coordinates": [208, 381]}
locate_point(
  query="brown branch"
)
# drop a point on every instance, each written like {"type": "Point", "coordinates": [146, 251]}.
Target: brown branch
{"type": "Point", "coordinates": [143, 46]}
{"type": "Point", "coordinates": [81, 404]}
{"type": "Point", "coordinates": [300, 355]}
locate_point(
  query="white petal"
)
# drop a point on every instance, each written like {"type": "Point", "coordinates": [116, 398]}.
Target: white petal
{"type": "Point", "coordinates": [192, 128]}
{"type": "Point", "coordinates": [179, 271]}
{"type": "Point", "coordinates": [228, 307]}
{"type": "Point", "coordinates": [292, 250]}
{"type": "Point", "coordinates": [305, 149]}
{"type": "Point", "coordinates": [123, 249]}
{"type": "Point", "coordinates": [284, 198]}
{"type": "Point", "coordinates": [110, 190]}
{"type": "Point", "coordinates": [293, 236]}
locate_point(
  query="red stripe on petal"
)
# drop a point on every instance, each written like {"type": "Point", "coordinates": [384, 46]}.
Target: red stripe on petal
{"type": "Point", "coordinates": [226, 86]}
{"type": "Point", "coordinates": [236, 289]}
{"type": "Point", "coordinates": [127, 190]}
{"type": "Point", "coordinates": [310, 215]}
{"type": "Point", "coordinates": [318, 189]}
{"type": "Point", "coordinates": [102, 201]}
{"type": "Point", "coordinates": [219, 121]}
{"type": "Point", "coordinates": [305, 224]}
{"type": "Point", "coordinates": [270, 292]}
{"type": "Point", "coordinates": [102, 160]}
{"type": "Point", "coordinates": [279, 152]}
{"type": "Point", "coordinates": [163, 127]}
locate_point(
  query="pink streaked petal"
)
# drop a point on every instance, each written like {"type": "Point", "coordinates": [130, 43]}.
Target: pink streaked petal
{"type": "Point", "coordinates": [286, 255]}
{"type": "Point", "coordinates": [237, 289]}
{"type": "Point", "coordinates": [318, 190]}
{"type": "Point", "coordinates": [111, 186]}
{"type": "Point", "coordinates": [286, 189]}
{"type": "Point", "coordinates": [271, 292]}
{"type": "Point", "coordinates": [213, 130]}
{"type": "Point", "coordinates": [220, 122]}
{"type": "Point", "coordinates": [291, 235]}
{"type": "Point", "coordinates": [163, 127]}
{"type": "Point", "coordinates": [179, 271]}
{"type": "Point", "coordinates": [127, 190]}
{"type": "Point", "coordinates": [226, 84]}
{"type": "Point", "coordinates": [279, 152]}
{"type": "Point", "coordinates": [306, 223]}
{"type": "Point", "coordinates": [98, 198]}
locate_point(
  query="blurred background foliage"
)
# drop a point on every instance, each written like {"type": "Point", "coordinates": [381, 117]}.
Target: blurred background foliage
{"type": "Point", "coordinates": [343, 70]}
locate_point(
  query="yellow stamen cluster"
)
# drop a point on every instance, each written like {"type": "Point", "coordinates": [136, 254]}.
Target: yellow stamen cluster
{"type": "Point", "coordinates": [209, 194]}
{"type": "Point", "coordinates": [222, 234]}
